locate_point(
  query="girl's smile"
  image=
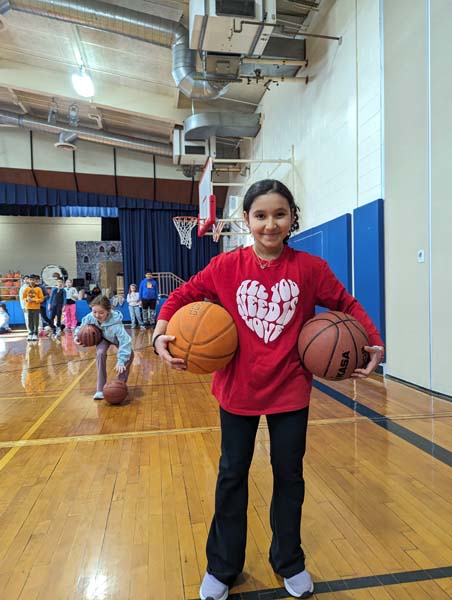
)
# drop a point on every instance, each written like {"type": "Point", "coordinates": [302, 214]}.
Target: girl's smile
{"type": "Point", "coordinates": [269, 219]}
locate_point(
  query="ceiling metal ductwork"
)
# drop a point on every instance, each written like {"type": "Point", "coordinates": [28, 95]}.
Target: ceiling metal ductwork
{"type": "Point", "coordinates": [84, 133]}
{"type": "Point", "coordinates": [133, 24]}
{"type": "Point", "coordinates": [221, 124]}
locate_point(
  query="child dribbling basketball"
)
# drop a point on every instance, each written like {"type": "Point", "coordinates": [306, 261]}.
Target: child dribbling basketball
{"type": "Point", "coordinates": [110, 323]}
{"type": "Point", "coordinates": [270, 290]}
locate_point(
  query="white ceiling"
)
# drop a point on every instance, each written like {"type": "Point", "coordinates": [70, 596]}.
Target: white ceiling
{"type": "Point", "coordinates": [135, 91]}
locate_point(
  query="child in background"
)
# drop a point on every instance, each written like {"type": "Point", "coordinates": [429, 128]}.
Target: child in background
{"type": "Point", "coordinates": [267, 286]}
{"type": "Point", "coordinates": [45, 322]}
{"type": "Point", "coordinates": [70, 307]}
{"type": "Point", "coordinates": [4, 319]}
{"type": "Point", "coordinates": [96, 291]}
{"type": "Point", "coordinates": [33, 297]}
{"type": "Point", "coordinates": [133, 300]}
{"type": "Point", "coordinates": [110, 323]}
{"type": "Point", "coordinates": [148, 295]}
{"type": "Point", "coordinates": [56, 303]}
{"type": "Point", "coordinates": [25, 284]}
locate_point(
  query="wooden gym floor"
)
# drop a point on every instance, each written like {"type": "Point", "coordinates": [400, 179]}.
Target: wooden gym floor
{"type": "Point", "coordinates": [100, 502]}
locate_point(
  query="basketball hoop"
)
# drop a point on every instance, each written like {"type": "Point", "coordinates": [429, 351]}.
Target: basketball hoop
{"type": "Point", "coordinates": [217, 228]}
{"type": "Point", "coordinates": [184, 226]}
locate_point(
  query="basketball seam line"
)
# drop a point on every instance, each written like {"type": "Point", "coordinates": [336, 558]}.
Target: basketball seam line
{"type": "Point", "coordinates": [352, 320]}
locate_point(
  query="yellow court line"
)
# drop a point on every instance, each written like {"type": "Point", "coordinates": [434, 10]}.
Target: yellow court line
{"type": "Point", "coordinates": [9, 455]}
{"type": "Point", "coordinates": [102, 437]}
{"type": "Point", "coordinates": [25, 397]}
{"type": "Point", "coordinates": [406, 417]}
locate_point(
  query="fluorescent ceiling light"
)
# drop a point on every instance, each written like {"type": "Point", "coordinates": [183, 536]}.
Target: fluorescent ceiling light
{"type": "Point", "coordinates": [82, 83]}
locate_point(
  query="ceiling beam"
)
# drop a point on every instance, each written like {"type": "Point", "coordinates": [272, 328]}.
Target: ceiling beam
{"type": "Point", "coordinates": [33, 79]}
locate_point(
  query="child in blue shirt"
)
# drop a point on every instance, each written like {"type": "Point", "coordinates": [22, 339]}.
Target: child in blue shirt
{"type": "Point", "coordinates": [148, 294]}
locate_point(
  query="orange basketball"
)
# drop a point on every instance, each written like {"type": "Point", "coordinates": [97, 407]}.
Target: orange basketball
{"type": "Point", "coordinates": [89, 335]}
{"type": "Point", "coordinates": [115, 391]}
{"type": "Point", "coordinates": [206, 336]}
{"type": "Point", "coordinates": [331, 345]}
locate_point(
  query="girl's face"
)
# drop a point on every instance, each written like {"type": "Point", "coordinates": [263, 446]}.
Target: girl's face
{"type": "Point", "coordinates": [133, 288]}
{"type": "Point", "coordinates": [269, 219]}
{"type": "Point", "coordinates": [68, 283]}
{"type": "Point", "coordinates": [100, 313]}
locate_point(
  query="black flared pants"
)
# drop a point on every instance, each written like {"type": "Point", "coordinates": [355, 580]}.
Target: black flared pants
{"type": "Point", "coordinates": [227, 537]}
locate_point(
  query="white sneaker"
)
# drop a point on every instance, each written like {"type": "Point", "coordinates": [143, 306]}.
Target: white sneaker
{"type": "Point", "coordinates": [34, 337]}
{"type": "Point", "coordinates": [142, 327]}
{"type": "Point", "coordinates": [213, 589]}
{"type": "Point", "coordinates": [300, 585]}
{"type": "Point", "coordinates": [98, 396]}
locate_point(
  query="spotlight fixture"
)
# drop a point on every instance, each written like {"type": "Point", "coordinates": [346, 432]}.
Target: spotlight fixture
{"type": "Point", "coordinates": [82, 83]}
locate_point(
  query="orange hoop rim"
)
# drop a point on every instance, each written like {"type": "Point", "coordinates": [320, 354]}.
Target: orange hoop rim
{"type": "Point", "coordinates": [186, 219]}
{"type": "Point", "coordinates": [185, 225]}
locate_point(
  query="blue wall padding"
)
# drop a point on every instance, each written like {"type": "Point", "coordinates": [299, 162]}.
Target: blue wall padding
{"type": "Point", "coordinates": [331, 241]}
{"type": "Point", "coordinates": [368, 254]}
{"type": "Point", "coordinates": [16, 315]}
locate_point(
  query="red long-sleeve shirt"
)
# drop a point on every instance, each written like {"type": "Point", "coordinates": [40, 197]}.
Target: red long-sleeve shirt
{"type": "Point", "coordinates": [269, 307]}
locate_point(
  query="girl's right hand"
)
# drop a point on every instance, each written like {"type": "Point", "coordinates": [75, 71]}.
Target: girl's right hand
{"type": "Point", "coordinates": [161, 347]}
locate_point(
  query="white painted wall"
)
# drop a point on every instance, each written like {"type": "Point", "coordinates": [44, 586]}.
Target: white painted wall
{"type": "Point", "coordinates": [15, 153]}
{"type": "Point", "coordinates": [333, 123]}
{"type": "Point", "coordinates": [14, 148]}
{"type": "Point", "coordinates": [441, 205]}
{"type": "Point", "coordinates": [27, 244]}
{"type": "Point", "coordinates": [406, 190]}
{"type": "Point", "coordinates": [418, 213]}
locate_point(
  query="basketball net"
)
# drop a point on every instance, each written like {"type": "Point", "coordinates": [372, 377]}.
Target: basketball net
{"type": "Point", "coordinates": [217, 228]}
{"type": "Point", "coordinates": [184, 226]}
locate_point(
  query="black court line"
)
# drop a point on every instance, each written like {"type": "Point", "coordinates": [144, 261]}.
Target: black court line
{"type": "Point", "coordinates": [355, 583]}
{"type": "Point", "coordinates": [434, 450]}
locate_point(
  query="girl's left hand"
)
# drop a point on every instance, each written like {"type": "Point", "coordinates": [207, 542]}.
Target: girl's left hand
{"type": "Point", "coordinates": [120, 368]}
{"type": "Point", "coordinates": [376, 354]}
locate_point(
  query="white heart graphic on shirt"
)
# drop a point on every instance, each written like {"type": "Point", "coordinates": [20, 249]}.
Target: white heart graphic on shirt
{"type": "Point", "coordinates": [267, 313]}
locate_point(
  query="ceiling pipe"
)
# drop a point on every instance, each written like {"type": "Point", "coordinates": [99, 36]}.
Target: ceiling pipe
{"type": "Point", "coordinates": [130, 23]}
{"type": "Point", "coordinates": [84, 133]}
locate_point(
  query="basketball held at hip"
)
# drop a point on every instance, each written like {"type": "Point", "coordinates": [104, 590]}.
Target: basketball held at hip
{"type": "Point", "coordinates": [331, 345]}
{"type": "Point", "coordinates": [205, 336]}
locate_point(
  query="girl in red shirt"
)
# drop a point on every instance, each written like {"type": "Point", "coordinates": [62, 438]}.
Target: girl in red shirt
{"type": "Point", "coordinates": [270, 290]}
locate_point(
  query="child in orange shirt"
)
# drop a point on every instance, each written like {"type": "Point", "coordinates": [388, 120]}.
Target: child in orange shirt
{"type": "Point", "coordinates": [33, 297]}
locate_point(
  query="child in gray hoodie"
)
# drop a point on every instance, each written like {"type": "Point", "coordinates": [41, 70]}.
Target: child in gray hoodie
{"type": "Point", "coordinates": [109, 321]}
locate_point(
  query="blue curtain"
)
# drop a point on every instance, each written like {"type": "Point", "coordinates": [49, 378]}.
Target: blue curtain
{"type": "Point", "coordinates": [150, 241]}
{"type": "Point", "coordinates": [25, 210]}
{"type": "Point", "coordinates": [148, 236]}
{"type": "Point", "coordinates": [86, 211]}
{"type": "Point", "coordinates": [30, 210]}
{"type": "Point", "coordinates": [13, 194]}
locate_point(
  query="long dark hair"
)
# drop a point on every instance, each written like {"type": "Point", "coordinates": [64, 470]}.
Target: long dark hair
{"type": "Point", "coordinates": [272, 186]}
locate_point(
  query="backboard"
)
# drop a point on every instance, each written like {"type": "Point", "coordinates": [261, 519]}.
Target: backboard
{"type": "Point", "coordinates": [207, 200]}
